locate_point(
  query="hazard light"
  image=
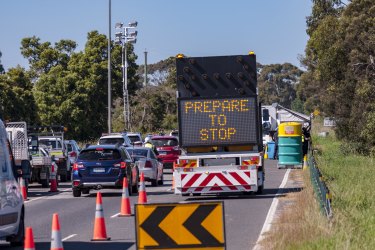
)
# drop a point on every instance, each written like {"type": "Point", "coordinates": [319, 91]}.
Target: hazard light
{"type": "Point", "coordinates": [254, 160]}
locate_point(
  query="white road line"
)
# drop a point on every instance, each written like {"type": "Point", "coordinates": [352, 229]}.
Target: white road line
{"type": "Point", "coordinates": [46, 196]}
{"type": "Point", "coordinates": [271, 212]}
{"type": "Point", "coordinates": [70, 236]}
{"type": "Point", "coordinates": [115, 215]}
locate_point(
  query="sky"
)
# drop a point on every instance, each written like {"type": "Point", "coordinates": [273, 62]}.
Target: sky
{"type": "Point", "coordinates": [274, 29]}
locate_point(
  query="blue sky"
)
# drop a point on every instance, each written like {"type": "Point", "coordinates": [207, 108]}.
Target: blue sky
{"type": "Point", "coordinates": [274, 29]}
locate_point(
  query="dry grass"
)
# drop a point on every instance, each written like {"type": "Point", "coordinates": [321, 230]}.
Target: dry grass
{"type": "Point", "coordinates": [299, 220]}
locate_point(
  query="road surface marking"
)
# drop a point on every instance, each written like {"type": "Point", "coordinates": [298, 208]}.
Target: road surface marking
{"type": "Point", "coordinates": [115, 215]}
{"type": "Point", "coordinates": [49, 195]}
{"type": "Point", "coordinates": [70, 236]}
{"type": "Point", "coordinates": [271, 212]}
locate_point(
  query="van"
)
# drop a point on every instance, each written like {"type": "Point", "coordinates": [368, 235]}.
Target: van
{"type": "Point", "coordinates": [12, 211]}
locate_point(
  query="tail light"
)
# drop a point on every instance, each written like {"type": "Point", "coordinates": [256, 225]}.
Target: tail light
{"type": "Point", "coordinates": [148, 164]}
{"type": "Point", "coordinates": [73, 154]}
{"type": "Point", "coordinates": [121, 165]}
{"type": "Point", "coordinates": [77, 166]}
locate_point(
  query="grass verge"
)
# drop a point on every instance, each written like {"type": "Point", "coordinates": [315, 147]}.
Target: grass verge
{"type": "Point", "coordinates": [350, 179]}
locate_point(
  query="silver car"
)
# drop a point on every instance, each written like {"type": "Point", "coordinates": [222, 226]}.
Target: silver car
{"type": "Point", "coordinates": [148, 163]}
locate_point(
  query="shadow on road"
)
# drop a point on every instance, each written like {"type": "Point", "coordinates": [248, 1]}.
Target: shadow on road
{"type": "Point", "coordinates": [267, 194]}
{"type": "Point", "coordinates": [79, 245]}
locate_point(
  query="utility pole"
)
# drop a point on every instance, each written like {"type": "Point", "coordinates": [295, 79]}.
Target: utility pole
{"type": "Point", "coordinates": [109, 69]}
{"type": "Point", "coordinates": [145, 80]}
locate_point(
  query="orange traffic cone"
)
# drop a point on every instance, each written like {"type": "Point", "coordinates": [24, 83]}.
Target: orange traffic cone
{"type": "Point", "coordinates": [23, 188]}
{"type": "Point", "coordinates": [29, 239]}
{"type": "Point", "coordinates": [56, 242]}
{"type": "Point", "coordinates": [53, 186]}
{"type": "Point", "coordinates": [100, 233]}
{"type": "Point", "coordinates": [142, 198]}
{"type": "Point", "coordinates": [125, 202]}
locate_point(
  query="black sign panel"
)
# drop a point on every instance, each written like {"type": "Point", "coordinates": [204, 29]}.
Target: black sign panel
{"type": "Point", "coordinates": [218, 121]}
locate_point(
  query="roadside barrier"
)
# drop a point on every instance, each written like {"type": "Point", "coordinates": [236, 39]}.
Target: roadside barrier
{"type": "Point", "coordinates": [23, 189]}
{"type": "Point", "coordinates": [100, 233]}
{"type": "Point", "coordinates": [142, 197]}
{"type": "Point", "coordinates": [125, 201]}
{"type": "Point", "coordinates": [29, 239]}
{"type": "Point", "coordinates": [56, 241]}
{"type": "Point", "coordinates": [53, 186]}
{"type": "Point", "coordinates": [322, 192]}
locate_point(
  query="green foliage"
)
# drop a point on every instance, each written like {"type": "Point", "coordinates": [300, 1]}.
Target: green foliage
{"type": "Point", "coordinates": [349, 178]}
{"type": "Point", "coordinates": [2, 71]}
{"type": "Point", "coordinates": [277, 83]}
{"type": "Point", "coordinates": [340, 78]}
{"type": "Point", "coordinates": [16, 96]}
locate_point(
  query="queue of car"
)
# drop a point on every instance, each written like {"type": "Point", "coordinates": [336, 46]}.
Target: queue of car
{"type": "Point", "coordinates": [122, 155]}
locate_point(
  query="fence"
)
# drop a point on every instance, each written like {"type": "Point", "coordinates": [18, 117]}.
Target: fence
{"type": "Point", "coordinates": [322, 192]}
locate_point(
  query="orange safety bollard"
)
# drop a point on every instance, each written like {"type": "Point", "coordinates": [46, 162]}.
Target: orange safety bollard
{"type": "Point", "coordinates": [142, 197]}
{"type": "Point", "coordinates": [56, 241]}
{"type": "Point", "coordinates": [100, 233]}
{"type": "Point", "coordinates": [53, 186]}
{"type": "Point", "coordinates": [125, 201]}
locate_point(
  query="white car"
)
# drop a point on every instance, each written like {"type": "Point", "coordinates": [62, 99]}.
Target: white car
{"type": "Point", "coordinates": [136, 138]}
{"type": "Point", "coordinates": [12, 212]}
{"type": "Point", "coordinates": [115, 138]}
{"type": "Point", "coordinates": [148, 163]}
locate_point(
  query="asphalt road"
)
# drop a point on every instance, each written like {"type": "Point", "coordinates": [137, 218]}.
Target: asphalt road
{"type": "Point", "coordinates": [244, 215]}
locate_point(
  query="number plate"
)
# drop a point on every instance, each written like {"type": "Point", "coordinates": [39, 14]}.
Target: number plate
{"type": "Point", "coordinates": [98, 170]}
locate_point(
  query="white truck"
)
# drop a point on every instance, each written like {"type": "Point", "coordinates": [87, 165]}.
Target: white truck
{"type": "Point", "coordinates": [51, 138]}
{"type": "Point", "coordinates": [35, 163]}
{"type": "Point", "coordinates": [220, 129]}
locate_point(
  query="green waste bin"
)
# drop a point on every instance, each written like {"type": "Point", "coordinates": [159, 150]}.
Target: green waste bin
{"type": "Point", "coordinates": [290, 145]}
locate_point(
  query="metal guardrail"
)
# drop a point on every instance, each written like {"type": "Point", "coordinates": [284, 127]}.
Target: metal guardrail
{"type": "Point", "coordinates": [322, 192]}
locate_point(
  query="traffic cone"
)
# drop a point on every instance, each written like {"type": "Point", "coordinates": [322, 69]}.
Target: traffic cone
{"type": "Point", "coordinates": [56, 242]}
{"type": "Point", "coordinates": [100, 233]}
{"type": "Point", "coordinates": [23, 189]}
{"type": "Point", "coordinates": [305, 162]}
{"type": "Point", "coordinates": [53, 186]}
{"type": "Point", "coordinates": [125, 202]}
{"type": "Point", "coordinates": [142, 198]}
{"type": "Point", "coordinates": [29, 239]}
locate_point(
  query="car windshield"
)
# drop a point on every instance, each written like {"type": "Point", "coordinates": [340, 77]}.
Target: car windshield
{"type": "Point", "coordinates": [99, 154]}
{"type": "Point", "coordinates": [138, 152]}
{"type": "Point", "coordinates": [164, 142]}
{"type": "Point", "coordinates": [111, 141]}
{"type": "Point", "coordinates": [53, 144]}
{"type": "Point", "coordinates": [134, 138]}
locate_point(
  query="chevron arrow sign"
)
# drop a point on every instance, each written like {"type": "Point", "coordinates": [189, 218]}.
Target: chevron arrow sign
{"type": "Point", "coordinates": [180, 225]}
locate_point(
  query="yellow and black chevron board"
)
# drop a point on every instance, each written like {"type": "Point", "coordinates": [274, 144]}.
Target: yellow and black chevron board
{"type": "Point", "coordinates": [180, 225]}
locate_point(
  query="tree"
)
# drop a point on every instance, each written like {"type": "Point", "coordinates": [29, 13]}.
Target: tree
{"type": "Point", "coordinates": [2, 71]}
{"type": "Point", "coordinates": [16, 97]}
{"type": "Point", "coordinates": [277, 83]}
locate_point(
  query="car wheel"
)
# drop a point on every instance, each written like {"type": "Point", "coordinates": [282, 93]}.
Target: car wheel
{"type": "Point", "coordinates": [76, 192]}
{"type": "Point", "coordinates": [17, 240]}
{"type": "Point", "coordinates": [45, 182]}
{"type": "Point", "coordinates": [154, 183]}
{"type": "Point", "coordinates": [130, 186]}
{"type": "Point", "coordinates": [161, 181]}
{"type": "Point", "coordinates": [135, 187]}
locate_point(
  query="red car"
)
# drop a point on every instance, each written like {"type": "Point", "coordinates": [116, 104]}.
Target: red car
{"type": "Point", "coordinates": [168, 149]}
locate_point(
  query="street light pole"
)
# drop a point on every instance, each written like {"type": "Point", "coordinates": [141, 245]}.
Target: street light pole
{"type": "Point", "coordinates": [123, 37]}
{"type": "Point", "coordinates": [109, 70]}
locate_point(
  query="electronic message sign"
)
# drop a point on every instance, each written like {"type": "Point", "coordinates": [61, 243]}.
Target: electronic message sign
{"type": "Point", "coordinates": [218, 121]}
